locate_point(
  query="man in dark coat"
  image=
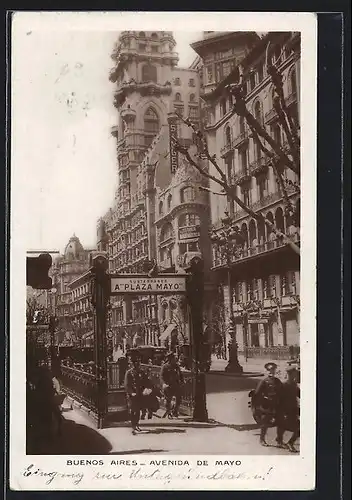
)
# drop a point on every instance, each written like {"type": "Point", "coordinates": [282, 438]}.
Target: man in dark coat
{"type": "Point", "coordinates": [171, 381]}
{"type": "Point", "coordinates": [267, 399]}
{"type": "Point", "coordinates": [136, 382]}
{"type": "Point", "coordinates": [288, 418]}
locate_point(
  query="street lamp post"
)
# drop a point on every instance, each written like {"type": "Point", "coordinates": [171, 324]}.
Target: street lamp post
{"type": "Point", "coordinates": [228, 239]}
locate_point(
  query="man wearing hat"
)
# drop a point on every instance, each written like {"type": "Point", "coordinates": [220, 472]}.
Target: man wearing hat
{"type": "Point", "coordinates": [288, 418]}
{"type": "Point", "coordinates": [171, 380]}
{"type": "Point", "coordinates": [267, 400]}
{"type": "Point", "coordinates": [136, 383]}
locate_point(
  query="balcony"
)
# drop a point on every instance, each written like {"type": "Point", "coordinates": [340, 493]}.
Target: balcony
{"type": "Point", "coordinates": [240, 139]}
{"type": "Point", "coordinates": [243, 254]}
{"type": "Point", "coordinates": [259, 166]}
{"type": "Point", "coordinates": [128, 114]}
{"type": "Point", "coordinates": [143, 88]}
{"type": "Point", "coordinates": [241, 177]}
{"type": "Point", "coordinates": [270, 116]}
{"type": "Point", "coordinates": [226, 149]}
{"type": "Point", "coordinates": [114, 131]}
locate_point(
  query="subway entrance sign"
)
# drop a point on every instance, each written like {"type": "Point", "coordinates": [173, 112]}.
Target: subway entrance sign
{"type": "Point", "coordinates": [139, 285]}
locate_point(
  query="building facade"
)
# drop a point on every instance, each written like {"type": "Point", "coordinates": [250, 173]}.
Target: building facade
{"type": "Point", "coordinates": [66, 269]}
{"type": "Point", "coordinates": [157, 213]}
{"type": "Point", "coordinates": [264, 272]}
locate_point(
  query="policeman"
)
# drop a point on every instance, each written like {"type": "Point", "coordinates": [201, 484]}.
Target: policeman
{"type": "Point", "coordinates": [171, 381]}
{"type": "Point", "coordinates": [266, 398]}
{"type": "Point", "coordinates": [136, 382]}
{"type": "Point", "coordinates": [288, 418]}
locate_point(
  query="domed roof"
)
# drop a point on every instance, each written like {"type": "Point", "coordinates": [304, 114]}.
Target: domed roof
{"type": "Point", "coordinates": [73, 248]}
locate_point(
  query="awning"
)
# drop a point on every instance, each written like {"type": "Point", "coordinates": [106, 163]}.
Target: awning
{"type": "Point", "coordinates": [166, 333]}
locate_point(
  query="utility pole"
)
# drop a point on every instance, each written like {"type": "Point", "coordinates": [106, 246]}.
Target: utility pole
{"type": "Point", "coordinates": [195, 295]}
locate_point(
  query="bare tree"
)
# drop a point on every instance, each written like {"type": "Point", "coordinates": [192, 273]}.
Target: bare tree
{"type": "Point", "coordinates": [277, 156]}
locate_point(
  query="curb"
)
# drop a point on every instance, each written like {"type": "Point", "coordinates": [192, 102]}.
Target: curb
{"type": "Point", "coordinates": [237, 375]}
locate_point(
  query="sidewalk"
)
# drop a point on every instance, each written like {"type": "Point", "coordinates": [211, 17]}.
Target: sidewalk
{"type": "Point", "coordinates": [251, 368]}
{"type": "Point", "coordinates": [80, 436]}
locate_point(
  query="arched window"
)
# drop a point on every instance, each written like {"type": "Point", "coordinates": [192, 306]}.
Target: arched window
{"type": "Point", "coordinates": [178, 97]}
{"type": "Point", "coordinates": [177, 81]}
{"type": "Point", "coordinates": [187, 194]}
{"type": "Point", "coordinates": [154, 36]}
{"type": "Point", "coordinates": [149, 73]}
{"type": "Point", "coordinates": [151, 121]}
{"type": "Point", "coordinates": [169, 201]}
{"type": "Point", "coordinates": [227, 135]}
{"type": "Point", "coordinates": [293, 82]}
{"type": "Point", "coordinates": [141, 34]}
{"type": "Point", "coordinates": [161, 208]}
{"type": "Point", "coordinates": [192, 98]}
{"type": "Point", "coordinates": [166, 232]}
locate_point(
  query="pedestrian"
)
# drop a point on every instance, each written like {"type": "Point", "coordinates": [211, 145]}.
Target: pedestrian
{"type": "Point", "coordinates": [171, 382]}
{"type": "Point", "coordinates": [136, 382]}
{"type": "Point", "coordinates": [266, 400]}
{"type": "Point", "coordinates": [289, 410]}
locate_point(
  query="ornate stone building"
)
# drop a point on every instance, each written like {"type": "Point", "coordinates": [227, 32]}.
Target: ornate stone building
{"type": "Point", "coordinates": [67, 268]}
{"type": "Point", "coordinates": [265, 272]}
{"type": "Point", "coordinates": [154, 215]}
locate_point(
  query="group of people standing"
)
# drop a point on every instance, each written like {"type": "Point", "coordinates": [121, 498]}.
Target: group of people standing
{"type": "Point", "coordinates": [142, 395]}
{"type": "Point", "coordinates": [277, 403]}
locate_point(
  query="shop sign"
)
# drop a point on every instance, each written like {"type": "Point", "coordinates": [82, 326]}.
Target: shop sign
{"type": "Point", "coordinates": [188, 232]}
{"type": "Point", "coordinates": [140, 285]}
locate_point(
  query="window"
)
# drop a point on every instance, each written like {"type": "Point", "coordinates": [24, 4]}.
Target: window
{"type": "Point", "coordinates": [192, 98]}
{"type": "Point", "coordinates": [284, 283]}
{"type": "Point", "coordinates": [228, 135]}
{"type": "Point", "coordinates": [242, 126]}
{"type": "Point", "coordinates": [178, 97]}
{"type": "Point", "coordinates": [251, 81]}
{"type": "Point", "coordinates": [169, 201]}
{"type": "Point", "coordinates": [243, 159]}
{"type": "Point", "coordinates": [255, 289]}
{"type": "Point", "coordinates": [228, 163]}
{"type": "Point", "coordinates": [177, 81]}
{"type": "Point", "coordinates": [187, 194]}
{"type": "Point", "coordinates": [246, 196]}
{"type": "Point", "coordinates": [272, 284]}
{"type": "Point", "coordinates": [149, 73]}
{"type": "Point", "coordinates": [226, 68]}
{"type": "Point", "coordinates": [276, 133]}
{"type": "Point", "coordinates": [210, 74]}
{"type": "Point", "coordinates": [258, 112]}
{"type": "Point", "coordinates": [154, 36]}
{"type": "Point", "coordinates": [141, 34]}
{"type": "Point", "coordinates": [161, 208]}
{"type": "Point", "coordinates": [142, 47]}
{"type": "Point", "coordinates": [293, 82]}
{"type": "Point", "coordinates": [262, 184]}
{"type": "Point", "coordinates": [191, 82]}
{"type": "Point", "coordinates": [151, 121]}
{"type": "Point", "coordinates": [223, 106]}
{"type": "Point", "coordinates": [249, 291]}
{"type": "Point", "coordinates": [155, 49]}
{"type": "Point", "coordinates": [288, 283]}
{"type": "Point", "coordinates": [166, 232]}
{"type": "Point", "coordinates": [186, 220]}
{"type": "Point", "coordinates": [193, 112]}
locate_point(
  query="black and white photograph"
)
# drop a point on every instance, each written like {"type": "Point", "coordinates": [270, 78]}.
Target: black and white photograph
{"type": "Point", "coordinates": [165, 256]}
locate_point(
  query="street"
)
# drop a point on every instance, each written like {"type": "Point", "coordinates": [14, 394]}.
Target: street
{"type": "Point", "coordinates": [231, 428]}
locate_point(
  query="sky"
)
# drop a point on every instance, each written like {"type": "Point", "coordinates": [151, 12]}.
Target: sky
{"type": "Point", "coordinates": [64, 155]}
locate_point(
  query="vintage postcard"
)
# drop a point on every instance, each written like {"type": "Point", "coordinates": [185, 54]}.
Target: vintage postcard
{"type": "Point", "coordinates": [163, 190]}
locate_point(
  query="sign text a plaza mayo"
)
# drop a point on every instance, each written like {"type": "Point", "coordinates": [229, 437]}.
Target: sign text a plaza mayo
{"type": "Point", "coordinates": [143, 284]}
